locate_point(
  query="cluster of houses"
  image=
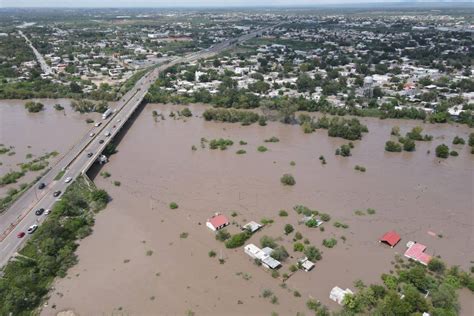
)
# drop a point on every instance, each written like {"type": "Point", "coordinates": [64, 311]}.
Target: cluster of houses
{"type": "Point", "coordinates": [264, 256]}
{"type": "Point", "coordinates": [415, 251]}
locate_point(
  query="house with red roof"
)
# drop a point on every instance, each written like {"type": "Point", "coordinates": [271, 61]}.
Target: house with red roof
{"type": "Point", "coordinates": [416, 252]}
{"type": "Point", "coordinates": [216, 222]}
{"type": "Point", "coordinates": [391, 238]}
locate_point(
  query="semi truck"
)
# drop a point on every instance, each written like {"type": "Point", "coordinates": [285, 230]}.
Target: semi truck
{"type": "Point", "coordinates": [107, 113]}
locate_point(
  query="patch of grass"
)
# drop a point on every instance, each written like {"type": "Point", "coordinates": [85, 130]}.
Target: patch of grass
{"type": "Point", "coordinates": [262, 149]}
{"type": "Point", "coordinates": [329, 243]}
{"type": "Point", "coordinates": [105, 174]}
{"type": "Point", "coordinates": [272, 139]}
{"type": "Point", "coordinates": [211, 254]}
{"type": "Point", "coordinates": [283, 213]}
{"type": "Point", "coordinates": [370, 211]}
{"type": "Point", "coordinates": [241, 152]}
{"type": "Point", "coordinates": [242, 143]}
{"type": "Point", "coordinates": [117, 183]}
{"type": "Point", "coordinates": [267, 293]}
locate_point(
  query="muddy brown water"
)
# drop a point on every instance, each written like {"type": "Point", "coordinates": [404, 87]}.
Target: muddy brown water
{"type": "Point", "coordinates": [414, 193]}
{"type": "Point", "coordinates": [38, 133]}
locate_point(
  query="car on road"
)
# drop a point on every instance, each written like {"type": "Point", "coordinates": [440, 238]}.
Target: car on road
{"type": "Point", "coordinates": [119, 120]}
{"type": "Point", "coordinates": [39, 211]}
{"type": "Point", "coordinates": [41, 186]}
{"type": "Point", "coordinates": [89, 154]}
{"type": "Point", "coordinates": [56, 193]}
{"type": "Point", "coordinates": [68, 179]}
{"type": "Point", "coordinates": [101, 141]}
{"type": "Point", "coordinates": [107, 134]}
{"type": "Point", "coordinates": [92, 134]}
{"type": "Point", "coordinates": [20, 235]}
{"type": "Point", "coordinates": [98, 124]}
{"type": "Point", "coordinates": [47, 211]}
{"type": "Point", "coordinates": [32, 229]}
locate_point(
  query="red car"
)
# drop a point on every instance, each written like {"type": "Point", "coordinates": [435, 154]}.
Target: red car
{"type": "Point", "coordinates": [20, 234]}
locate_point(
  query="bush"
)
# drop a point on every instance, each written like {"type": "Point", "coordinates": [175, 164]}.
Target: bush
{"type": "Point", "coordinates": [458, 140]}
{"type": "Point", "coordinates": [288, 229]}
{"type": "Point", "coordinates": [409, 145]}
{"type": "Point", "coordinates": [329, 243]}
{"type": "Point", "coordinates": [230, 115]}
{"type": "Point", "coordinates": [442, 151]}
{"type": "Point", "coordinates": [267, 293]}
{"type": "Point", "coordinates": [58, 107]}
{"type": "Point", "coordinates": [272, 139]}
{"type": "Point", "coordinates": [220, 143]}
{"type": "Point", "coordinates": [283, 213]}
{"type": "Point", "coordinates": [173, 205]}
{"type": "Point", "coordinates": [240, 152]}
{"type": "Point", "coordinates": [436, 265]}
{"type": "Point", "coordinates": [211, 253]}
{"type": "Point", "coordinates": [325, 217]}
{"type": "Point", "coordinates": [262, 149]}
{"type": "Point", "coordinates": [453, 153]}
{"type": "Point", "coordinates": [312, 253]}
{"type": "Point", "coordinates": [237, 240]}
{"type": "Point", "coordinates": [297, 246]}
{"type": "Point", "coordinates": [392, 146]}
{"type": "Point", "coordinates": [117, 183]}
{"type": "Point", "coordinates": [222, 235]}
{"type": "Point", "coordinates": [242, 142]}
{"type": "Point", "coordinates": [186, 112]}
{"type": "Point", "coordinates": [360, 168]}
{"type": "Point", "coordinates": [34, 107]}
{"type": "Point", "coordinates": [267, 241]}
{"type": "Point", "coordinates": [287, 179]}
{"type": "Point", "coordinates": [279, 253]}
{"type": "Point", "coordinates": [350, 129]}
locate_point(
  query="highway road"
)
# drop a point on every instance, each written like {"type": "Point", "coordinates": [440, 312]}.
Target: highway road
{"type": "Point", "coordinates": [44, 66]}
{"type": "Point", "coordinates": [21, 214]}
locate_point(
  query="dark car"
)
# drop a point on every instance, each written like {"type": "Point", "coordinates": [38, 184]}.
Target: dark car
{"type": "Point", "coordinates": [39, 211]}
{"type": "Point", "coordinates": [56, 193]}
{"type": "Point", "coordinates": [41, 186]}
{"type": "Point", "coordinates": [89, 155]}
{"type": "Point", "coordinates": [101, 141]}
{"type": "Point", "coordinates": [20, 235]}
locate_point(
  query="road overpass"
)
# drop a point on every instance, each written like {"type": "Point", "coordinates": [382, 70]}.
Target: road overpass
{"type": "Point", "coordinates": [77, 162]}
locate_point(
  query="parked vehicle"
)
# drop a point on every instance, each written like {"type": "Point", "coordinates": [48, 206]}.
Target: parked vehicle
{"type": "Point", "coordinates": [39, 211]}
{"type": "Point", "coordinates": [20, 235]}
{"type": "Point", "coordinates": [56, 193]}
{"type": "Point", "coordinates": [41, 186]}
{"type": "Point", "coordinates": [47, 211]}
{"type": "Point", "coordinates": [89, 155]}
{"type": "Point", "coordinates": [101, 141]}
{"type": "Point", "coordinates": [98, 124]}
{"type": "Point", "coordinates": [92, 134]}
{"type": "Point", "coordinates": [68, 179]}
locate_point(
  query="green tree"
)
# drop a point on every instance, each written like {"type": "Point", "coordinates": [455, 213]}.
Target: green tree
{"type": "Point", "coordinates": [442, 151]}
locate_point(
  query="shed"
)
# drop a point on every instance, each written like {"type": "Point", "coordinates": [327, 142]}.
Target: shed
{"type": "Point", "coordinates": [391, 238]}
{"type": "Point", "coordinates": [216, 222]}
{"type": "Point", "coordinates": [337, 294]}
{"type": "Point", "coordinates": [306, 264]}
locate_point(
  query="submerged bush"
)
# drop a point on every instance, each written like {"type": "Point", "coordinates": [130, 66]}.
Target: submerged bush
{"type": "Point", "coordinates": [287, 179]}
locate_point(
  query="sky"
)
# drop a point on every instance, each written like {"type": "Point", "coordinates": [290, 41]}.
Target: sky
{"type": "Point", "coordinates": [183, 3]}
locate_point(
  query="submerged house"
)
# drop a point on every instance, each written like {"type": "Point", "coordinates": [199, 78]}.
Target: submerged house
{"type": "Point", "coordinates": [391, 238]}
{"type": "Point", "coordinates": [263, 255]}
{"type": "Point", "coordinates": [416, 252]}
{"type": "Point", "coordinates": [337, 294]}
{"type": "Point", "coordinates": [216, 222]}
{"type": "Point", "coordinates": [305, 264]}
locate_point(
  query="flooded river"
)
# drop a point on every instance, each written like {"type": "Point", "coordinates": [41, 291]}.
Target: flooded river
{"type": "Point", "coordinates": [136, 263]}
{"type": "Point", "coordinates": [37, 134]}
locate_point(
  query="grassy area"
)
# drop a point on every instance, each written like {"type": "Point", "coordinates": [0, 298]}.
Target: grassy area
{"type": "Point", "coordinates": [59, 175]}
{"type": "Point", "coordinates": [49, 253]}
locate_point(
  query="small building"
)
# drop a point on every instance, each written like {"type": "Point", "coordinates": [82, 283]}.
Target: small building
{"type": "Point", "coordinates": [263, 255]}
{"type": "Point", "coordinates": [391, 238]}
{"type": "Point", "coordinates": [216, 222]}
{"type": "Point", "coordinates": [252, 226]}
{"type": "Point", "coordinates": [305, 264]}
{"type": "Point", "coordinates": [416, 252]}
{"type": "Point", "coordinates": [337, 294]}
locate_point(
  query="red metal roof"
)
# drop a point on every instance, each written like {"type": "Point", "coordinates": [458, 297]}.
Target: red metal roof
{"type": "Point", "coordinates": [391, 238]}
{"type": "Point", "coordinates": [416, 252]}
{"type": "Point", "coordinates": [218, 220]}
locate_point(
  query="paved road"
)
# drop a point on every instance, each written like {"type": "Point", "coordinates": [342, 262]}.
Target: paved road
{"type": "Point", "coordinates": [76, 161]}
{"type": "Point", "coordinates": [44, 66]}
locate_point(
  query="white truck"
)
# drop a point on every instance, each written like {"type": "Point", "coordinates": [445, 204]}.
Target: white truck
{"type": "Point", "coordinates": [107, 113]}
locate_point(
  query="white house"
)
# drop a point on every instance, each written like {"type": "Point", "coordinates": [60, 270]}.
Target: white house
{"type": "Point", "coordinates": [306, 264]}
{"type": "Point", "coordinates": [337, 294]}
{"type": "Point", "coordinates": [263, 255]}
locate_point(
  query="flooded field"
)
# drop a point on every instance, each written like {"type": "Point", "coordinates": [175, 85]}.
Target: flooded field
{"type": "Point", "coordinates": [36, 134]}
{"type": "Point", "coordinates": [139, 262]}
